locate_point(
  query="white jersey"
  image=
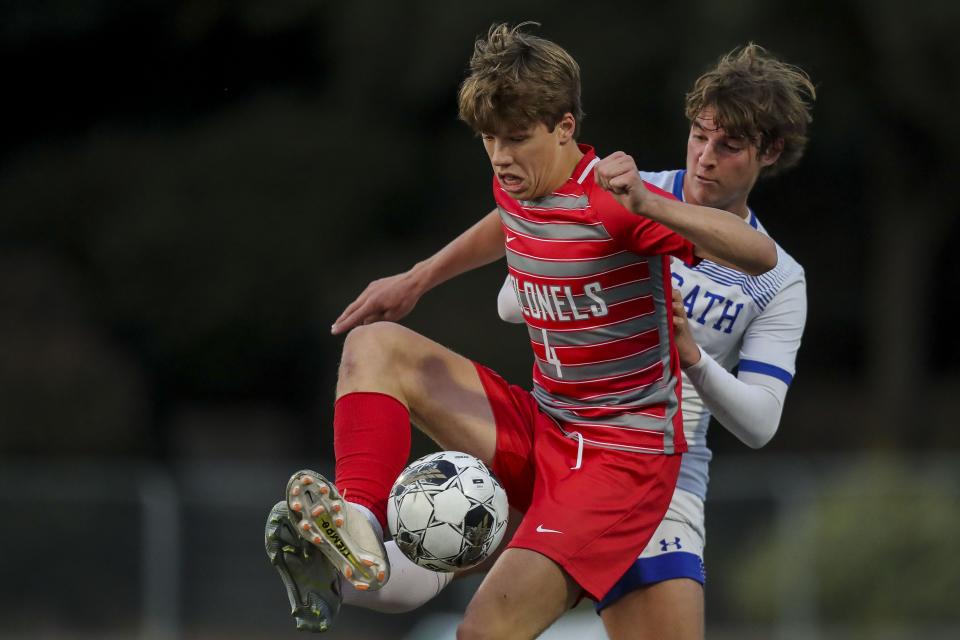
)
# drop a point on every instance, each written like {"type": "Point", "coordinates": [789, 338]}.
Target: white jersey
{"type": "Point", "coordinates": [751, 323]}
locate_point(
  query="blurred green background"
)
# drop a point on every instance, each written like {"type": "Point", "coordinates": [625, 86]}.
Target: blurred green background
{"type": "Point", "coordinates": [191, 191]}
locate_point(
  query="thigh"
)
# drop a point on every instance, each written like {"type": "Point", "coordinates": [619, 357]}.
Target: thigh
{"type": "Point", "coordinates": [441, 388]}
{"type": "Point", "coordinates": [459, 404]}
{"type": "Point", "coordinates": [668, 610]}
{"type": "Point", "coordinates": [505, 607]}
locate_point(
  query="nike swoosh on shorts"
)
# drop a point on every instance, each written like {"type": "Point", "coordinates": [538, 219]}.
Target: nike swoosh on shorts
{"type": "Point", "coordinates": [541, 529]}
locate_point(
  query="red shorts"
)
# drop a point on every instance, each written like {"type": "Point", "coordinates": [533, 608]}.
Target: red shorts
{"type": "Point", "coordinates": [593, 521]}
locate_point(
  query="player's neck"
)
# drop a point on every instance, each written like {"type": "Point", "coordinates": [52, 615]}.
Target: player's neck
{"type": "Point", "coordinates": [567, 161]}
{"type": "Point", "coordinates": [738, 207]}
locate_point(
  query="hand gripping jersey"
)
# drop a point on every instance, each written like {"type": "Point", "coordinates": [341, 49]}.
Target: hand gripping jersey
{"type": "Point", "coordinates": [593, 284]}
{"type": "Point", "coordinates": [752, 323]}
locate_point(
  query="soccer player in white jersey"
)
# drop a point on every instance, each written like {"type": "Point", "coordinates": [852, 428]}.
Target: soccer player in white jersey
{"type": "Point", "coordinates": [502, 605]}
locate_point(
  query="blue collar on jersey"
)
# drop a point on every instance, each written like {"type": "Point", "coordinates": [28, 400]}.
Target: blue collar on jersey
{"type": "Point", "coordinates": [678, 184]}
{"type": "Point", "coordinates": [678, 194]}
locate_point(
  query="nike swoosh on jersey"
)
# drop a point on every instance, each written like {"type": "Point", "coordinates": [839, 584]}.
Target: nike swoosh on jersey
{"type": "Point", "coordinates": [541, 529]}
{"type": "Point", "coordinates": [511, 239]}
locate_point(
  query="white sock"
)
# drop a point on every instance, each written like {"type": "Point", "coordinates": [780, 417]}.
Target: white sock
{"type": "Point", "coordinates": [410, 586]}
{"type": "Point", "coordinates": [369, 514]}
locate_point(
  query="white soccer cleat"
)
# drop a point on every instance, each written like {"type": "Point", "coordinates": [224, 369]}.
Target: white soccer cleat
{"type": "Point", "coordinates": [342, 533]}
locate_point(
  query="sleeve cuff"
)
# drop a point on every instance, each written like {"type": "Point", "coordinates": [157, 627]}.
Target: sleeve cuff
{"type": "Point", "coordinates": [700, 365]}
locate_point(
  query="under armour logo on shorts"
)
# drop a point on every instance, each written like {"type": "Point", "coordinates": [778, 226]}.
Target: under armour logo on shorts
{"type": "Point", "coordinates": [664, 545]}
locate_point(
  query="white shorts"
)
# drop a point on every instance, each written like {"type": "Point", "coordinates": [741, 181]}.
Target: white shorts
{"type": "Point", "coordinates": [674, 551]}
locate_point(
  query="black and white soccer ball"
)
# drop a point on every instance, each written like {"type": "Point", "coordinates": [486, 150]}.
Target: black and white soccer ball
{"type": "Point", "coordinates": [447, 511]}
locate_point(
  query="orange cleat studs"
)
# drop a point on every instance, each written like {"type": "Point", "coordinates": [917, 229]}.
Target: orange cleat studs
{"type": "Point", "coordinates": [295, 491]}
{"type": "Point", "coordinates": [306, 480]}
{"type": "Point", "coordinates": [296, 506]}
{"type": "Point", "coordinates": [368, 563]}
{"type": "Point", "coordinates": [338, 522]}
{"type": "Point", "coordinates": [337, 508]}
{"type": "Point", "coordinates": [317, 540]}
{"type": "Point", "coordinates": [381, 576]}
{"type": "Point", "coordinates": [348, 572]}
{"type": "Point", "coordinates": [317, 510]}
{"type": "Point", "coordinates": [305, 526]}
{"type": "Point", "coordinates": [361, 587]}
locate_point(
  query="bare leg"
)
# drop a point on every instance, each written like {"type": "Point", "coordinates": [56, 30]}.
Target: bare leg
{"type": "Point", "coordinates": [668, 610]}
{"type": "Point", "coordinates": [523, 594]}
{"type": "Point", "coordinates": [441, 389]}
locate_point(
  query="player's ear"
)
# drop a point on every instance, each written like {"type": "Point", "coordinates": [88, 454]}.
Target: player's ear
{"type": "Point", "coordinates": [566, 128]}
{"type": "Point", "coordinates": [772, 154]}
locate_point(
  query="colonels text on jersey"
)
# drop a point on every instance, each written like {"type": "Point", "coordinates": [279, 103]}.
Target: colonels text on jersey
{"type": "Point", "coordinates": [593, 283]}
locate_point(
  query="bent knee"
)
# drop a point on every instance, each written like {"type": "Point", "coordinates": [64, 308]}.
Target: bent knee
{"type": "Point", "coordinates": [372, 342]}
{"type": "Point", "coordinates": [376, 351]}
{"type": "Point", "coordinates": [377, 335]}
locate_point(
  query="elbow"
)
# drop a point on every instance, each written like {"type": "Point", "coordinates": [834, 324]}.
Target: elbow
{"type": "Point", "coordinates": [759, 438]}
{"type": "Point", "coordinates": [766, 258]}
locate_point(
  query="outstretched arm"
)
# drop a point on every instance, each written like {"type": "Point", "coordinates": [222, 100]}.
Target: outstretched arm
{"type": "Point", "coordinates": [718, 235]}
{"type": "Point", "coordinates": [394, 297]}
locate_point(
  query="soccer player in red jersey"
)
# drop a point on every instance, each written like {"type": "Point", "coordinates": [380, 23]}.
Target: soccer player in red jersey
{"type": "Point", "coordinates": [591, 455]}
{"type": "Point", "coordinates": [752, 323]}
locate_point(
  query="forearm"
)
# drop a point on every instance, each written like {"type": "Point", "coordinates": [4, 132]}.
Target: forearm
{"type": "Point", "coordinates": [479, 245]}
{"type": "Point", "coordinates": [751, 412]}
{"type": "Point", "coordinates": [718, 235]}
{"type": "Point", "coordinates": [393, 297]}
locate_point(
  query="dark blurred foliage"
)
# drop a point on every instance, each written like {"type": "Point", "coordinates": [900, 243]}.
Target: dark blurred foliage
{"type": "Point", "coordinates": [192, 191]}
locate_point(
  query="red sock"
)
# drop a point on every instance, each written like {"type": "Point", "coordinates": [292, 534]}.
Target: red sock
{"type": "Point", "coordinates": [371, 441]}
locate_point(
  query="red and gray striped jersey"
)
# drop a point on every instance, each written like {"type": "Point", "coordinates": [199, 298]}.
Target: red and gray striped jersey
{"type": "Point", "coordinates": [593, 283]}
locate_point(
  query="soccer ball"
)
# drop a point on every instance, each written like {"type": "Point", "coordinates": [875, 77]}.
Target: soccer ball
{"type": "Point", "coordinates": [447, 512]}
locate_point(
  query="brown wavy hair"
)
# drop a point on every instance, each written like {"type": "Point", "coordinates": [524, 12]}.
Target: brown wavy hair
{"type": "Point", "coordinates": [517, 79]}
{"type": "Point", "coordinates": [760, 98]}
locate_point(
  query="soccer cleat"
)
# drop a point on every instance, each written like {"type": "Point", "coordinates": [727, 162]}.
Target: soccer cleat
{"type": "Point", "coordinates": [340, 532]}
{"type": "Point", "coordinates": [312, 583]}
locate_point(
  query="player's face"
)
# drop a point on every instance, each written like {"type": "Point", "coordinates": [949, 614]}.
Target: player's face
{"type": "Point", "coordinates": [721, 169]}
{"type": "Point", "coordinates": [531, 162]}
